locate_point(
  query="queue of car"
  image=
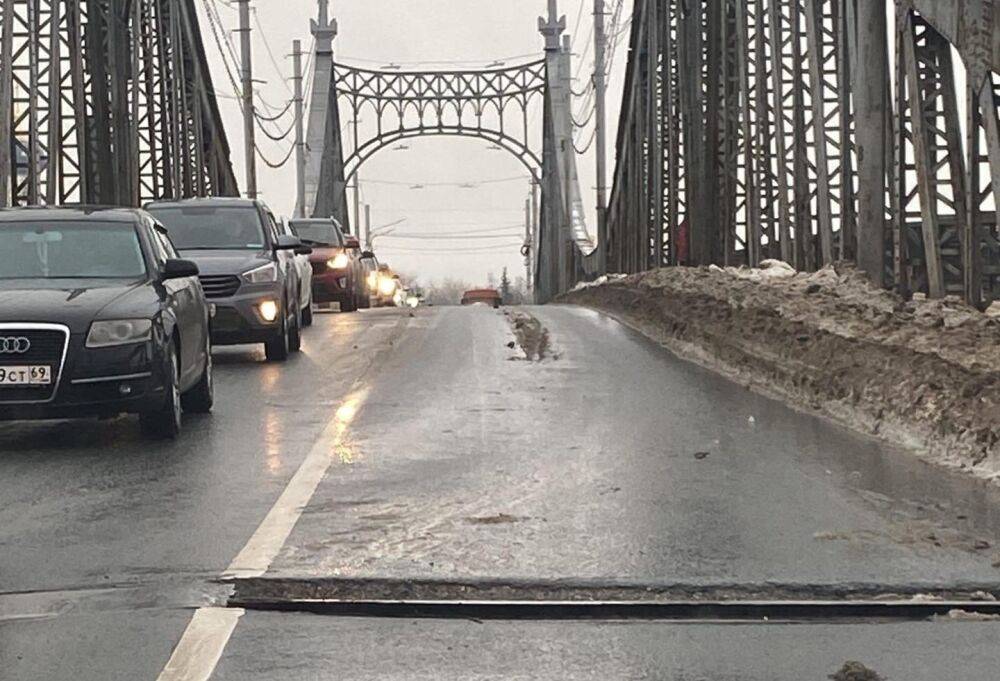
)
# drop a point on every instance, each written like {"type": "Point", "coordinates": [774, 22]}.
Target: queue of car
{"type": "Point", "coordinates": [108, 311]}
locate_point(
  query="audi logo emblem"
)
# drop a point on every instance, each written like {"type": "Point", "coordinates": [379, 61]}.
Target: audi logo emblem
{"type": "Point", "coordinates": [14, 345]}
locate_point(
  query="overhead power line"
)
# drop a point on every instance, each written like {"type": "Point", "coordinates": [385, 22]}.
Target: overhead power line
{"type": "Point", "coordinates": [467, 184]}
{"type": "Point", "coordinates": [270, 52]}
{"type": "Point", "coordinates": [473, 249]}
{"type": "Point", "coordinates": [271, 164]}
{"type": "Point", "coordinates": [435, 237]}
{"type": "Point", "coordinates": [276, 118]}
{"type": "Point", "coordinates": [437, 62]}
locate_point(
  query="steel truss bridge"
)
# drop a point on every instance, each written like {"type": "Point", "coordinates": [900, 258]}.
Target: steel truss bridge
{"type": "Point", "coordinates": [107, 101]}
{"type": "Point", "coordinates": [749, 129]}
{"type": "Point", "coordinates": [756, 129]}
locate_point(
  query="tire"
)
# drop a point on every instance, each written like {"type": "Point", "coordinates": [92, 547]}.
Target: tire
{"type": "Point", "coordinates": [165, 422]}
{"type": "Point", "coordinates": [295, 332]}
{"type": "Point", "coordinates": [201, 398]}
{"type": "Point", "coordinates": [349, 305]}
{"type": "Point", "coordinates": [278, 348]}
{"type": "Point", "coordinates": [307, 315]}
{"type": "Point", "coordinates": [365, 301]}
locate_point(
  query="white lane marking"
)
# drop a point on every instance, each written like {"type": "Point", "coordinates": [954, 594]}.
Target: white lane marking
{"type": "Point", "coordinates": [263, 547]}
{"type": "Point", "coordinates": [201, 646]}
{"type": "Point", "coordinates": [200, 649]}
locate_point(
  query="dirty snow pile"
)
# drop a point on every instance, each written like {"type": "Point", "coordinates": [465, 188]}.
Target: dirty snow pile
{"type": "Point", "coordinates": [600, 281]}
{"type": "Point", "coordinates": [922, 373]}
{"type": "Point", "coordinates": [532, 337]}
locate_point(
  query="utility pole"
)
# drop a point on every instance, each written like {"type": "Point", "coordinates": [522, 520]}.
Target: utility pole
{"type": "Point", "coordinates": [357, 184]}
{"type": "Point", "coordinates": [528, 242]}
{"type": "Point", "coordinates": [300, 141]}
{"type": "Point", "coordinates": [249, 132]}
{"type": "Point", "coordinates": [357, 202]}
{"type": "Point", "coordinates": [368, 227]}
{"type": "Point", "coordinates": [535, 241]}
{"type": "Point", "coordinates": [601, 117]}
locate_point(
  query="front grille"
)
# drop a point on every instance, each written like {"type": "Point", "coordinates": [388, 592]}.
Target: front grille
{"type": "Point", "coordinates": [220, 286]}
{"type": "Point", "coordinates": [47, 349]}
{"type": "Point", "coordinates": [319, 267]}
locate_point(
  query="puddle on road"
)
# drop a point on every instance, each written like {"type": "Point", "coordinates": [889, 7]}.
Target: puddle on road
{"type": "Point", "coordinates": [924, 503]}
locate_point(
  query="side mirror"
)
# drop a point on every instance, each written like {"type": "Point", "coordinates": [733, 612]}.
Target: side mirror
{"type": "Point", "coordinates": [368, 255]}
{"type": "Point", "coordinates": [351, 242]}
{"type": "Point", "coordinates": [287, 242]}
{"type": "Point", "coordinates": [179, 269]}
{"type": "Point", "coordinates": [303, 250]}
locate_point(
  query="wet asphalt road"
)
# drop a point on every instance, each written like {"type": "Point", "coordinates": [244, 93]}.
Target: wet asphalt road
{"type": "Point", "coordinates": [610, 463]}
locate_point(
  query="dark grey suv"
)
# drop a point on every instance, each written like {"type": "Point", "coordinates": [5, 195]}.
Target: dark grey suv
{"type": "Point", "coordinates": [247, 269]}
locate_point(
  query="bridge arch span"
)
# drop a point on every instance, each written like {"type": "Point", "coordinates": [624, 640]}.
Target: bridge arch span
{"type": "Point", "coordinates": [528, 158]}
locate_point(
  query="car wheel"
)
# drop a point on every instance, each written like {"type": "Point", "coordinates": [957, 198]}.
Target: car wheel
{"type": "Point", "coordinates": [295, 332]}
{"type": "Point", "coordinates": [307, 315]}
{"type": "Point", "coordinates": [165, 422]}
{"type": "Point", "coordinates": [201, 398]}
{"type": "Point", "coordinates": [277, 349]}
{"type": "Point", "coordinates": [349, 305]}
{"type": "Point", "coordinates": [364, 301]}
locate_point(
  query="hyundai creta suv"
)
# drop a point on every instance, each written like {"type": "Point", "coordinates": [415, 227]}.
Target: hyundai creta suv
{"type": "Point", "coordinates": [247, 269]}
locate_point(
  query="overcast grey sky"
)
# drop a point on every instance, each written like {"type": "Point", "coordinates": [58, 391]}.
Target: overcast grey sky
{"type": "Point", "coordinates": [377, 32]}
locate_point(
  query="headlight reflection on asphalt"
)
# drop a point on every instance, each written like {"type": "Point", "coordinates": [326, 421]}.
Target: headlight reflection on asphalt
{"type": "Point", "coordinates": [272, 438]}
{"type": "Point", "coordinates": [343, 418]}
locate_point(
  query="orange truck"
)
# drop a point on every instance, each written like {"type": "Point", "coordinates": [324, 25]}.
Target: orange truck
{"type": "Point", "coordinates": [488, 296]}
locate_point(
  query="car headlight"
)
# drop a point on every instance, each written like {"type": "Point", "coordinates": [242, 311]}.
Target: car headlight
{"type": "Point", "coordinates": [387, 286]}
{"type": "Point", "coordinates": [340, 262]}
{"type": "Point", "coordinates": [372, 281]}
{"type": "Point", "coordinates": [119, 332]}
{"type": "Point", "coordinates": [265, 274]}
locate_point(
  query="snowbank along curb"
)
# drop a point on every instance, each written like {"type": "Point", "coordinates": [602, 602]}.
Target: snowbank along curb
{"type": "Point", "coordinates": [920, 373]}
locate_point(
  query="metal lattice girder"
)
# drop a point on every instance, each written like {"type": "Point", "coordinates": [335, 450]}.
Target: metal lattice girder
{"type": "Point", "coordinates": [829, 78]}
{"type": "Point", "coordinates": [930, 160]}
{"type": "Point", "coordinates": [754, 107]}
{"type": "Point", "coordinates": [982, 273]}
{"type": "Point", "coordinates": [490, 104]}
{"type": "Point", "coordinates": [763, 155]}
{"type": "Point", "coordinates": [627, 234]}
{"type": "Point", "coordinates": [674, 192]}
{"type": "Point", "coordinates": [107, 101]}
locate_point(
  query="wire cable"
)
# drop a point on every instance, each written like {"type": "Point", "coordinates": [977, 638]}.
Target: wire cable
{"type": "Point", "coordinates": [435, 237]}
{"type": "Point", "coordinates": [272, 119]}
{"type": "Point", "coordinates": [437, 62]}
{"type": "Point", "coordinates": [281, 137]}
{"type": "Point", "coordinates": [214, 22]}
{"type": "Point", "coordinates": [470, 184]}
{"type": "Point", "coordinates": [271, 164]}
{"type": "Point", "coordinates": [586, 147]}
{"type": "Point", "coordinates": [474, 249]}
{"type": "Point", "coordinates": [270, 52]}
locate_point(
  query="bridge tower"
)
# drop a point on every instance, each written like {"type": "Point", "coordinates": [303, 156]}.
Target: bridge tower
{"type": "Point", "coordinates": [325, 188]}
{"type": "Point", "coordinates": [490, 104]}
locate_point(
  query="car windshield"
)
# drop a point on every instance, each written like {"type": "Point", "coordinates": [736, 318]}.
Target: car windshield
{"type": "Point", "coordinates": [319, 232]}
{"type": "Point", "coordinates": [212, 227]}
{"type": "Point", "coordinates": [70, 250]}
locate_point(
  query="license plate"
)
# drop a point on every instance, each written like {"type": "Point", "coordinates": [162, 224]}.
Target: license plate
{"type": "Point", "coordinates": [25, 376]}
